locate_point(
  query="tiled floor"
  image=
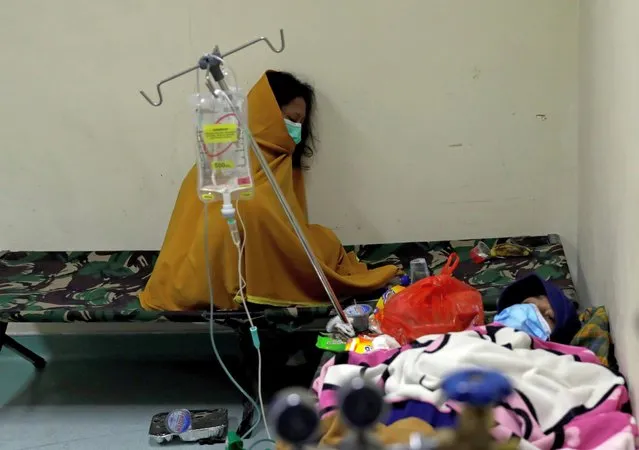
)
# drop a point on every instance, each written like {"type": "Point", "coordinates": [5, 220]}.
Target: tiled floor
{"type": "Point", "coordinates": [105, 402]}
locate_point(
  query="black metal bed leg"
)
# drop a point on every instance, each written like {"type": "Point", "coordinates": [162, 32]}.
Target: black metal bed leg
{"type": "Point", "coordinates": [248, 418]}
{"type": "Point", "coordinates": [7, 341]}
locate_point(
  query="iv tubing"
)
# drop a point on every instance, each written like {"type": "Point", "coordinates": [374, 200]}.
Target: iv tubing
{"type": "Point", "coordinates": [239, 266]}
{"type": "Point", "coordinates": [287, 209]}
{"type": "Point", "coordinates": [228, 212]}
{"type": "Point", "coordinates": [209, 280]}
{"type": "Point", "coordinates": [254, 335]}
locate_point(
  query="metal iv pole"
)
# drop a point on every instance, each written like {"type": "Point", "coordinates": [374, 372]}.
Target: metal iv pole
{"type": "Point", "coordinates": [211, 62]}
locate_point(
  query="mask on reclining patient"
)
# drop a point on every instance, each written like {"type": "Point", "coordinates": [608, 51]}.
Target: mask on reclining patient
{"type": "Point", "coordinates": [525, 317]}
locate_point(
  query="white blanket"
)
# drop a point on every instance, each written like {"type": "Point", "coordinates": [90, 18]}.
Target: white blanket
{"type": "Point", "coordinates": [552, 382]}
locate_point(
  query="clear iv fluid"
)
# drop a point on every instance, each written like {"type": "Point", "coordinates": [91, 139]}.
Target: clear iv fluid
{"type": "Point", "coordinates": [222, 146]}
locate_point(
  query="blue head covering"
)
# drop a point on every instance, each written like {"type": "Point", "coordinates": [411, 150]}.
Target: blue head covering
{"type": "Point", "coordinates": [566, 320]}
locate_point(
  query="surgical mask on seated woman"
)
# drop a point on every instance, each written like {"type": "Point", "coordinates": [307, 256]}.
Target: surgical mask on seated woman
{"type": "Point", "coordinates": [525, 317]}
{"type": "Point", "coordinates": [294, 130]}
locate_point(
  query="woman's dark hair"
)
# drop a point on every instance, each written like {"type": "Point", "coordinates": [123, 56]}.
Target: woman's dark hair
{"type": "Point", "coordinates": [286, 87]}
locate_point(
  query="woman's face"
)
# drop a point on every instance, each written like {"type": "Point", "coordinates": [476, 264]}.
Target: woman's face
{"type": "Point", "coordinates": [542, 303]}
{"type": "Point", "coordinates": [295, 110]}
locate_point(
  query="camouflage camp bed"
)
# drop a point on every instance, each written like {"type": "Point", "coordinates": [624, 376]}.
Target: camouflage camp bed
{"type": "Point", "coordinates": [104, 287]}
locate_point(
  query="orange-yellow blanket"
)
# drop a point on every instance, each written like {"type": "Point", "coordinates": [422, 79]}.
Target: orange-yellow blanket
{"type": "Point", "coordinates": [276, 269]}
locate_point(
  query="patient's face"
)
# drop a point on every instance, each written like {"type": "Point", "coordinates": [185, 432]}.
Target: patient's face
{"type": "Point", "coordinates": [544, 307]}
{"type": "Point", "coordinates": [295, 110]}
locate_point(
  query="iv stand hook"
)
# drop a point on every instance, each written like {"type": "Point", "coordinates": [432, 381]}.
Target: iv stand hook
{"type": "Point", "coordinates": [158, 86]}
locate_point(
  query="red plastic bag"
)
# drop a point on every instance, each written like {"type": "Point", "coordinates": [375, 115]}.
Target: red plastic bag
{"type": "Point", "coordinates": [436, 304]}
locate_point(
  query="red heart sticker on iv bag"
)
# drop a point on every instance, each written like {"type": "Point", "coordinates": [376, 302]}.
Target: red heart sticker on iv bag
{"type": "Point", "coordinates": [225, 149]}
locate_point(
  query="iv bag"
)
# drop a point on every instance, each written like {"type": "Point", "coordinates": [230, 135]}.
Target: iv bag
{"type": "Point", "coordinates": [222, 147]}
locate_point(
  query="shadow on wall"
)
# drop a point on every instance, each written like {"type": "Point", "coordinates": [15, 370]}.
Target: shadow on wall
{"type": "Point", "coordinates": [342, 148]}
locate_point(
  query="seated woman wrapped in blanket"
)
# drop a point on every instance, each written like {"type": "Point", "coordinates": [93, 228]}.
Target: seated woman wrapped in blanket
{"type": "Point", "coordinates": [276, 269]}
{"type": "Point", "coordinates": [564, 396]}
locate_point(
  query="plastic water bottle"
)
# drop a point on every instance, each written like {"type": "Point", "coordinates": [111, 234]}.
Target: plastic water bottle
{"type": "Point", "coordinates": [179, 421]}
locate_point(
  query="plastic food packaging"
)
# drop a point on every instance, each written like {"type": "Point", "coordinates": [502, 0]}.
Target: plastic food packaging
{"type": "Point", "coordinates": [379, 306]}
{"type": "Point", "coordinates": [437, 304]}
{"type": "Point", "coordinates": [203, 426]}
{"type": "Point", "coordinates": [329, 343]}
{"type": "Point", "coordinates": [385, 342]}
{"type": "Point", "coordinates": [360, 344]}
{"type": "Point", "coordinates": [509, 249]}
{"type": "Point", "coordinates": [418, 270]}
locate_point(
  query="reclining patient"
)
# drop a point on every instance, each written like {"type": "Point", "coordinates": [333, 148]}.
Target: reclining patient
{"type": "Point", "coordinates": [538, 308]}
{"type": "Point", "coordinates": [276, 269]}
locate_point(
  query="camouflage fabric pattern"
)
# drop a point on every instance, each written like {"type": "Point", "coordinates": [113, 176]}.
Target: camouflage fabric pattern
{"type": "Point", "coordinates": [74, 286]}
{"type": "Point", "coordinates": [595, 335]}
{"type": "Point", "coordinates": [490, 277]}
{"type": "Point", "coordinates": [104, 286]}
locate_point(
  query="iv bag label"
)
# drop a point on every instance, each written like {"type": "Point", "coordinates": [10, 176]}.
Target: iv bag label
{"type": "Point", "coordinates": [219, 133]}
{"type": "Point", "coordinates": [219, 165]}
